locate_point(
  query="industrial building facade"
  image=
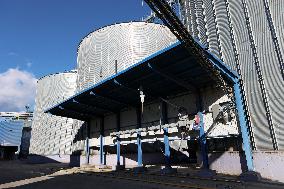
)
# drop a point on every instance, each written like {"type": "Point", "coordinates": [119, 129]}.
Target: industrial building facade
{"type": "Point", "coordinates": [119, 64]}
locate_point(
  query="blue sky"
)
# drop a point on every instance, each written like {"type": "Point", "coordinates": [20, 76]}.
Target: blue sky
{"type": "Point", "coordinates": [39, 37]}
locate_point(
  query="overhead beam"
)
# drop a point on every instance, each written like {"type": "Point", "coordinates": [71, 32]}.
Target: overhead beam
{"type": "Point", "coordinates": [91, 106]}
{"type": "Point", "coordinates": [85, 116]}
{"type": "Point", "coordinates": [116, 100]}
{"type": "Point", "coordinates": [136, 91]}
{"type": "Point", "coordinates": [72, 110]}
{"type": "Point", "coordinates": [148, 93]}
{"type": "Point", "coordinates": [173, 78]}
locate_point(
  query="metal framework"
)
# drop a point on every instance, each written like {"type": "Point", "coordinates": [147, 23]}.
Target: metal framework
{"type": "Point", "coordinates": [167, 15]}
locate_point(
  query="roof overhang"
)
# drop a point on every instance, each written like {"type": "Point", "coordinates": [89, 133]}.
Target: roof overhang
{"type": "Point", "coordinates": [170, 71]}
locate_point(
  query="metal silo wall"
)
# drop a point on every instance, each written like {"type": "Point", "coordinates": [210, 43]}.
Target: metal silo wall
{"type": "Point", "coordinates": [127, 43]}
{"type": "Point", "coordinates": [239, 32]}
{"type": "Point", "coordinates": [11, 133]}
{"type": "Point", "coordinates": [53, 135]}
{"type": "Point", "coordinates": [277, 16]}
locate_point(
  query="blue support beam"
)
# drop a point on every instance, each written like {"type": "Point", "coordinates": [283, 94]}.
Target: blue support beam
{"type": "Point", "coordinates": [87, 151]}
{"type": "Point", "coordinates": [164, 120]}
{"type": "Point", "coordinates": [167, 148]}
{"type": "Point", "coordinates": [243, 125]}
{"type": "Point", "coordinates": [139, 149]}
{"type": "Point", "coordinates": [88, 142]}
{"type": "Point", "coordinates": [139, 138]}
{"type": "Point", "coordinates": [102, 160]}
{"type": "Point", "coordinates": [202, 140]}
{"type": "Point", "coordinates": [118, 139]}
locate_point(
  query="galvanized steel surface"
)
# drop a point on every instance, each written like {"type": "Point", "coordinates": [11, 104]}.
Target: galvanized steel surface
{"type": "Point", "coordinates": [52, 134]}
{"type": "Point", "coordinates": [252, 24]}
{"type": "Point", "coordinates": [11, 132]}
{"type": "Point", "coordinates": [126, 43]}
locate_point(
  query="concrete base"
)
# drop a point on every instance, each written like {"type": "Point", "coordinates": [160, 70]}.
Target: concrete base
{"type": "Point", "coordinates": [139, 169]}
{"type": "Point", "coordinates": [118, 167]}
{"type": "Point", "coordinates": [206, 173]}
{"type": "Point", "coordinates": [168, 170]}
{"type": "Point", "coordinates": [250, 176]}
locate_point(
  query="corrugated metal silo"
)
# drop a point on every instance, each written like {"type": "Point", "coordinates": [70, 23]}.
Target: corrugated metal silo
{"type": "Point", "coordinates": [52, 135]}
{"type": "Point", "coordinates": [125, 43]}
{"type": "Point", "coordinates": [248, 35]}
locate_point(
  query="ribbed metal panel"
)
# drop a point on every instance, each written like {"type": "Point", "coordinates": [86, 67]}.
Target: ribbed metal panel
{"type": "Point", "coordinates": [126, 43]}
{"type": "Point", "coordinates": [277, 14]}
{"type": "Point", "coordinates": [253, 92]}
{"type": "Point", "coordinates": [267, 58]}
{"type": "Point", "coordinates": [224, 33]}
{"type": "Point", "coordinates": [194, 25]}
{"type": "Point", "coordinates": [49, 136]}
{"type": "Point", "coordinates": [186, 12]}
{"type": "Point", "coordinates": [11, 133]}
{"type": "Point", "coordinates": [212, 35]}
{"type": "Point", "coordinates": [200, 17]}
{"type": "Point", "coordinates": [260, 68]}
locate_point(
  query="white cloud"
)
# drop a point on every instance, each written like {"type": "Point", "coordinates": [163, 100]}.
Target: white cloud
{"type": "Point", "coordinates": [17, 90]}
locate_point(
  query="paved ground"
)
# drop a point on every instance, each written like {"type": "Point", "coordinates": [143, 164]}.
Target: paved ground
{"type": "Point", "coordinates": [84, 181]}
{"type": "Point", "coordinates": [18, 170]}
{"type": "Point", "coordinates": [16, 174]}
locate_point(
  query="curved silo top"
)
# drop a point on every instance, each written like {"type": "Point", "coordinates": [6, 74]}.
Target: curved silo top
{"type": "Point", "coordinates": [116, 47]}
{"type": "Point", "coordinates": [54, 88]}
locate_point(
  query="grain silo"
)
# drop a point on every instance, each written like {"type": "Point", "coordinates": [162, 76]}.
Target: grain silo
{"type": "Point", "coordinates": [52, 135]}
{"type": "Point", "coordinates": [113, 48]}
{"type": "Point", "coordinates": [248, 36]}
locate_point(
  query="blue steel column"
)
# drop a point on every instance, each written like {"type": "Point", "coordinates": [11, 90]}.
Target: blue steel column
{"type": "Point", "coordinates": [87, 151]}
{"type": "Point", "coordinates": [139, 142]}
{"type": "Point", "coordinates": [87, 142]}
{"type": "Point", "coordinates": [243, 126]}
{"type": "Point", "coordinates": [167, 148]}
{"type": "Point", "coordinates": [139, 148]}
{"type": "Point", "coordinates": [102, 142]}
{"type": "Point", "coordinates": [202, 140]}
{"type": "Point", "coordinates": [118, 138]}
{"type": "Point", "coordinates": [164, 120]}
